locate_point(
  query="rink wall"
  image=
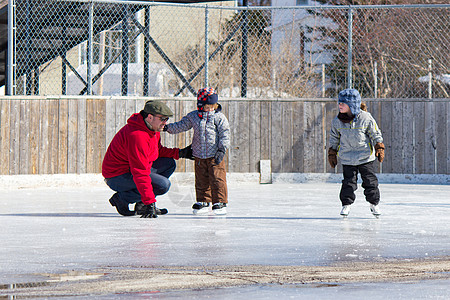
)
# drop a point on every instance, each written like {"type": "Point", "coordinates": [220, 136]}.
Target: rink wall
{"type": "Point", "coordinates": [69, 135]}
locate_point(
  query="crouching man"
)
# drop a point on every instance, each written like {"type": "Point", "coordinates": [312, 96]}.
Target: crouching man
{"type": "Point", "coordinates": [137, 166]}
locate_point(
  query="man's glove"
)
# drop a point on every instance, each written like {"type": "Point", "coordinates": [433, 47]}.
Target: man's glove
{"type": "Point", "coordinates": [165, 128]}
{"type": "Point", "coordinates": [219, 156]}
{"type": "Point", "coordinates": [186, 153]}
{"type": "Point", "coordinates": [332, 157]}
{"type": "Point", "coordinates": [149, 211]}
{"type": "Point", "coordinates": [379, 151]}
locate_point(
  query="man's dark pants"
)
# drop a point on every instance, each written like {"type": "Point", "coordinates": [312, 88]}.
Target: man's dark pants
{"type": "Point", "coordinates": [369, 183]}
{"type": "Point", "coordinates": [125, 187]}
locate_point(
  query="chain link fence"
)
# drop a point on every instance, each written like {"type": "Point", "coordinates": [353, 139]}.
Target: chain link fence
{"type": "Point", "coordinates": [161, 50]}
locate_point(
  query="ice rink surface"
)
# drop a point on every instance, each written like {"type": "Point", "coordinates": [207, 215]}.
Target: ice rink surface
{"type": "Point", "coordinates": [71, 228]}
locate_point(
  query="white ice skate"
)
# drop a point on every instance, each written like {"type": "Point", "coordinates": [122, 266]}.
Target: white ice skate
{"type": "Point", "coordinates": [220, 208]}
{"type": "Point", "coordinates": [345, 211]}
{"type": "Point", "coordinates": [375, 210]}
{"type": "Point", "coordinates": [200, 208]}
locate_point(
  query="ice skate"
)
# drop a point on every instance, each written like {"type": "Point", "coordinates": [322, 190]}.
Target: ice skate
{"type": "Point", "coordinates": [220, 208]}
{"type": "Point", "coordinates": [200, 208]}
{"type": "Point", "coordinates": [345, 211]}
{"type": "Point", "coordinates": [139, 209]}
{"type": "Point", "coordinates": [375, 210]}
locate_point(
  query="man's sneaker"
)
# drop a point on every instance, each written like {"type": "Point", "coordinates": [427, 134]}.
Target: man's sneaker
{"type": "Point", "coordinates": [121, 206]}
{"type": "Point", "coordinates": [345, 210]}
{"type": "Point", "coordinates": [139, 209]}
{"type": "Point", "coordinates": [220, 208]}
{"type": "Point", "coordinates": [375, 210]}
{"type": "Point", "coordinates": [200, 208]}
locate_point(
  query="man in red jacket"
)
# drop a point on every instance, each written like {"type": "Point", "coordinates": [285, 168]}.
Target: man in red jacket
{"type": "Point", "coordinates": [137, 166]}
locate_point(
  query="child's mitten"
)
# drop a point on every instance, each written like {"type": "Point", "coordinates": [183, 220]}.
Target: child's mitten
{"type": "Point", "coordinates": [379, 151]}
{"type": "Point", "coordinates": [332, 157]}
{"type": "Point", "coordinates": [219, 156]}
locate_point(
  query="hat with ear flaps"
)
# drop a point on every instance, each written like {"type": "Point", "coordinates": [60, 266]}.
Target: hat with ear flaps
{"type": "Point", "coordinates": [352, 98]}
{"type": "Point", "coordinates": [206, 96]}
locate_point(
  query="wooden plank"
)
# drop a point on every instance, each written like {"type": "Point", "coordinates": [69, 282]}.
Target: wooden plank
{"type": "Point", "coordinates": [44, 141]}
{"type": "Point", "coordinates": [91, 135]}
{"type": "Point", "coordinates": [441, 138]}
{"type": "Point", "coordinates": [448, 137]}
{"type": "Point", "coordinates": [190, 165]}
{"type": "Point", "coordinates": [419, 138]}
{"type": "Point", "coordinates": [309, 156]}
{"type": "Point", "coordinates": [121, 114]}
{"type": "Point", "coordinates": [233, 155]}
{"type": "Point", "coordinates": [319, 138]}
{"type": "Point", "coordinates": [34, 139]}
{"type": "Point", "coordinates": [5, 131]}
{"type": "Point", "coordinates": [81, 137]}
{"type": "Point", "coordinates": [297, 133]}
{"type": "Point", "coordinates": [331, 112]}
{"type": "Point", "coordinates": [101, 134]}
{"type": "Point", "coordinates": [110, 126]}
{"type": "Point", "coordinates": [14, 158]}
{"type": "Point", "coordinates": [254, 135]}
{"type": "Point", "coordinates": [243, 136]}
{"type": "Point", "coordinates": [72, 137]}
{"type": "Point", "coordinates": [277, 137]}
{"type": "Point", "coordinates": [430, 138]}
{"type": "Point", "coordinates": [386, 121]}
{"type": "Point", "coordinates": [24, 137]}
{"type": "Point", "coordinates": [53, 136]}
{"type": "Point", "coordinates": [63, 135]}
{"type": "Point", "coordinates": [266, 130]}
{"type": "Point", "coordinates": [408, 138]}
{"type": "Point", "coordinates": [287, 140]}
{"type": "Point", "coordinates": [397, 135]}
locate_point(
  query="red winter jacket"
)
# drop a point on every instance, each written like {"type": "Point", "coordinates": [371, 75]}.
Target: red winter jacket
{"type": "Point", "coordinates": [133, 150]}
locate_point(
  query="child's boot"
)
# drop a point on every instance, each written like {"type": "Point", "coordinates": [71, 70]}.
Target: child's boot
{"type": "Point", "coordinates": [200, 208]}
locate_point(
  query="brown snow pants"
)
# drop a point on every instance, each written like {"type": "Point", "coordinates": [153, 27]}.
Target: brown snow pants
{"type": "Point", "coordinates": [210, 181]}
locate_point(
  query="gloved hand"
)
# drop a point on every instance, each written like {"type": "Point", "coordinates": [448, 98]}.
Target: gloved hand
{"type": "Point", "coordinates": [165, 128]}
{"type": "Point", "coordinates": [379, 151]}
{"type": "Point", "coordinates": [219, 156]}
{"type": "Point", "coordinates": [186, 153]}
{"type": "Point", "coordinates": [332, 157]}
{"type": "Point", "coordinates": [149, 211]}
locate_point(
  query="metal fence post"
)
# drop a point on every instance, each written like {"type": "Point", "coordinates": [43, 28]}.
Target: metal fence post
{"type": "Point", "coordinates": [375, 75]}
{"type": "Point", "coordinates": [125, 51]}
{"type": "Point", "coordinates": [430, 79]}
{"type": "Point", "coordinates": [89, 51]}
{"type": "Point", "coordinates": [206, 45]}
{"type": "Point", "coordinates": [146, 51]}
{"type": "Point", "coordinates": [244, 52]}
{"type": "Point", "coordinates": [11, 54]}
{"type": "Point", "coordinates": [349, 54]}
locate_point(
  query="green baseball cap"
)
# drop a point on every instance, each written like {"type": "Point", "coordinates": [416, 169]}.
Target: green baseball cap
{"type": "Point", "coordinates": [156, 107]}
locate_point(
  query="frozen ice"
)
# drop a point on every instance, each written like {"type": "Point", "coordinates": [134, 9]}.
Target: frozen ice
{"type": "Point", "coordinates": [59, 228]}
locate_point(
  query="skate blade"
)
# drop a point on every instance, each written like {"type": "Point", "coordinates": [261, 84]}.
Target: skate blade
{"type": "Point", "coordinates": [220, 211]}
{"type": "Point", "coordinates": [203, 211]}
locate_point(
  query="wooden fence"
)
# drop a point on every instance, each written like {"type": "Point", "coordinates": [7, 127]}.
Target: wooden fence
{"type": "Point", "coordinates": [44, 135]}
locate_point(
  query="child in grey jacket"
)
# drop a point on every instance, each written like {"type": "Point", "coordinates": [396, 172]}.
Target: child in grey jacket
{"type": "Point", "coordinates": [210, 142]}
{"type": "Point", "coordinates": [356, 139]}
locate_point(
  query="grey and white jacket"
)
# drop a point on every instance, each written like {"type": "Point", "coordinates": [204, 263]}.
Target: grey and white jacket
{"type": "Point", "coordinates": [211, 132]}
{"type": "Point", "coordinates": [355, 141]}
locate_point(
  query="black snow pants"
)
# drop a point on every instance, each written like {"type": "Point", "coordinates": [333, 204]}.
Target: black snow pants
{"type": "Point", "coordinates": [369, 183]}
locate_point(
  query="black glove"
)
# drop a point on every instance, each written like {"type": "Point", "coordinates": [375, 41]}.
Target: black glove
{"type": "Point", "coordinates": [149, 211]}
{"type": "Point", "coordinates": [186, 153]}
{"type": "Point", "coordinates": [165, 128]}
{"type": "Point", "coordinates": [219, 156]}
